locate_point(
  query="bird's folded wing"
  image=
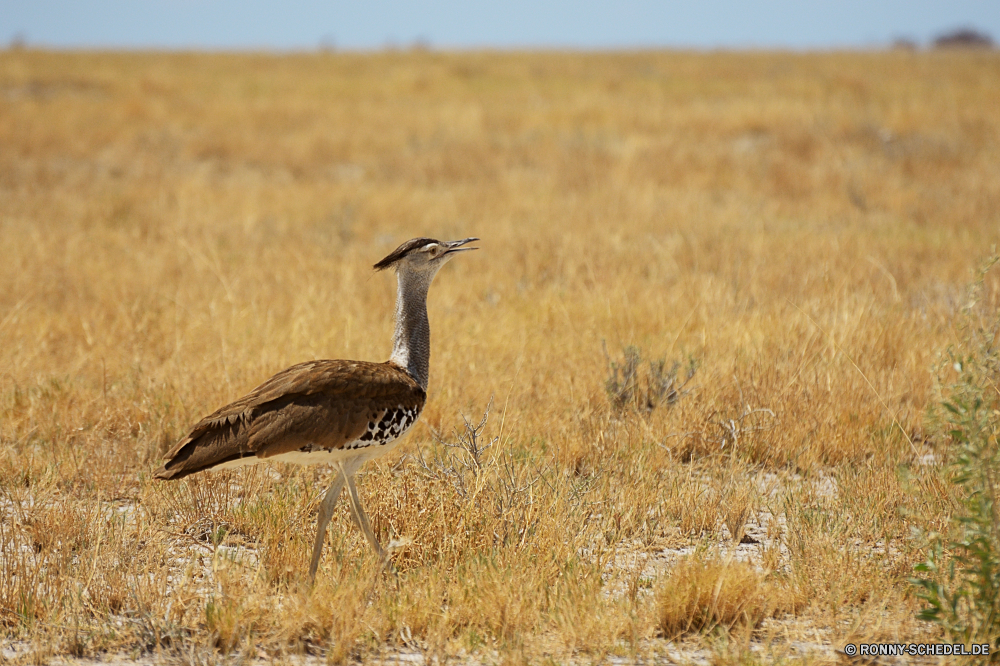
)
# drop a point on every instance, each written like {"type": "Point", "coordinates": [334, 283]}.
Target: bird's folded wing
{"type": "Point", "coordinates": [322, 404]}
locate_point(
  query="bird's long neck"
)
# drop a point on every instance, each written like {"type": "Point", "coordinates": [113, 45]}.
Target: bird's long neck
{"type": "Point", "coordinates": [411, 343]}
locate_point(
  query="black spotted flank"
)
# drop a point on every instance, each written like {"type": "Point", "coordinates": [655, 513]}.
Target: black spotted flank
{"type": "Point", "coordinates": [388, 428]}
{"type": "Point", "coordinates": [388, 418]}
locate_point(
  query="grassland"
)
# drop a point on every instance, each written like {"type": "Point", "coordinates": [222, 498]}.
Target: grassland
{"type": "Point", "coordinates": [798, 230]}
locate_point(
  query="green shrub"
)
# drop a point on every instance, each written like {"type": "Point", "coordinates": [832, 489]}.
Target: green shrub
{"type": "Point", "coordinates": [960, 578]}
{"type": "Point", "coordinates": [629, 386]}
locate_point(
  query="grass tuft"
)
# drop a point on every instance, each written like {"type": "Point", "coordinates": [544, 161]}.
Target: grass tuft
{"type": "Point", "coordinates": [704, 593]}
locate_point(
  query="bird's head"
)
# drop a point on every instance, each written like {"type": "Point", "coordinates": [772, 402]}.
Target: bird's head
{"type": "Point", "coordinates": [423, 256]}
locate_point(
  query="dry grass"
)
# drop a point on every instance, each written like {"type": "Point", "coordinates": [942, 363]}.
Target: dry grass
{"type": "Point", "coordinates": [175, 228]}
{"type": "Point", "coordinates": [705, 594]}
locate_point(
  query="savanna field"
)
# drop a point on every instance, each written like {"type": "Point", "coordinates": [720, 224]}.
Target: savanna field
{"type": "Point", "coordinates": [718, 303]}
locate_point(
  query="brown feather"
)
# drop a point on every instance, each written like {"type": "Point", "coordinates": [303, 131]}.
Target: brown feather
{"type": "Point", "coordinates": [327, 404]}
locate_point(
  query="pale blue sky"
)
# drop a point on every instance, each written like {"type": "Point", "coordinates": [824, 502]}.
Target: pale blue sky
{"type": "Point", "coordinates": [588, 24]}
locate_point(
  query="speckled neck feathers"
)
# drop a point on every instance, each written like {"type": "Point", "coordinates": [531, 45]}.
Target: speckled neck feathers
{"type": "Point", "coordinates": [411, 343]}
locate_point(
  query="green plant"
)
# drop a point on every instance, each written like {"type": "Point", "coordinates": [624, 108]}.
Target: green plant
{"type": "Point", "coordinates": [960, 578]}
{"type": "Point", "coordinates": [628, 386]}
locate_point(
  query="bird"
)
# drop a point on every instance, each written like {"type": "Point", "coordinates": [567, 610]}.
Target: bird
{"type": "Point", "coordinates": [338, 412]}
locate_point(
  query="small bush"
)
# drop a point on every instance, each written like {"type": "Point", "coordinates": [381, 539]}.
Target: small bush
{"type": "Point", "coordinates": [960, 578]}
{"type": "Point", "coordinates": [628, 386]}
{"type": "Point", "coordinates": [497, 484]}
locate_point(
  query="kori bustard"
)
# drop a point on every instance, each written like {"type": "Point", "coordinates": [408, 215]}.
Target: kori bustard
{"type": "Point", "coordinates": [339, 412]}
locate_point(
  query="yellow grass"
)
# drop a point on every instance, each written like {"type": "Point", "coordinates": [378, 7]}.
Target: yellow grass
{"type": "Point", "coordinates": [177, 227]}
{"type": "Point", "coordinates": [703, 594]}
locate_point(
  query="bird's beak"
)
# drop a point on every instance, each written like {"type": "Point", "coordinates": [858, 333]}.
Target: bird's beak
{"type": "Point", "coordinates": [456, 246]}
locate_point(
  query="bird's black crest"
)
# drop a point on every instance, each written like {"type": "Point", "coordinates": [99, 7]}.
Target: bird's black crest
{"type": "Point", "coordinates": [403, 250]}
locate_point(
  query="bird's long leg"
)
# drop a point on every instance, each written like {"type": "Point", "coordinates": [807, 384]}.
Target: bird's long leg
{"type": "Point", "coordinates": [325, 513]}
{"type": "Point", "coordinates": [361, 518]}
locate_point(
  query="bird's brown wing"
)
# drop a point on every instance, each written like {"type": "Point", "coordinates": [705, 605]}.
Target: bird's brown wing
{"type": "Point", "coordinates": [325, 404]}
